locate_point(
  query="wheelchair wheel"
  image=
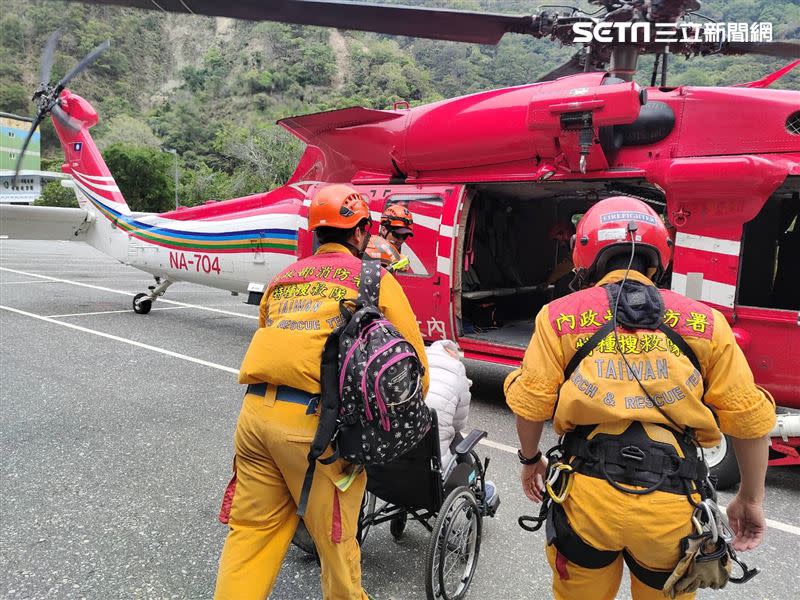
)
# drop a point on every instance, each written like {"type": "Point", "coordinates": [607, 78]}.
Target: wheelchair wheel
{"type": "Point", "coordinates": [454, 547]}
{"type": "Point", "coordinates": [367, 512]}
{"type": "Point", "coordinates": [398, 525]}
{"type": "Point", "coordinates": [302, 539]}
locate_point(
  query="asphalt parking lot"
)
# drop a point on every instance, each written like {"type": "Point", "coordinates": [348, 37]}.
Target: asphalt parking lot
{"type": "Point", "coordinates": [116, 437]}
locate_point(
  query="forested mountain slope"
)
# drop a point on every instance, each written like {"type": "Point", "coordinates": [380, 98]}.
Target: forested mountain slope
{"type": "Point", "coordinates": [213, 88]}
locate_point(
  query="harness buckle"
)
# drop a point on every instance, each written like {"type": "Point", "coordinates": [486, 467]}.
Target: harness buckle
{"type": "Point", "coordinates": [633, 453]}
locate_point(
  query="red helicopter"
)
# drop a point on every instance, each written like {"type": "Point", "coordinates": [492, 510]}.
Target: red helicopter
{"type": "Point", "coordinates": [496, 181]}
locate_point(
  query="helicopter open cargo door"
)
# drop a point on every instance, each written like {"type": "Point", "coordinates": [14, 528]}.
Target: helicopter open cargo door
{"type": "Point", "coordinates": [767, 311]}
{"type": "Point", "coordinates": [427, 282]}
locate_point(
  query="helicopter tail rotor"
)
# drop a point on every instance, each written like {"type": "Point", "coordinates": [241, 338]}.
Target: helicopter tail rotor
{"type": "Point", "coordinates": [46, 96]}
{"type": "Point", "coordinates": [47, 56]}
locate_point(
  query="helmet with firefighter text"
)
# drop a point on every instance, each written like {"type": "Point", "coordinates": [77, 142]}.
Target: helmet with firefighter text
{"type": "Point", "coordinates": [610, 227]}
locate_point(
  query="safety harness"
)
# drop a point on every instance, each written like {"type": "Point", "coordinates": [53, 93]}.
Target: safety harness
{"type": "Point", "coordinates": [632, 463]}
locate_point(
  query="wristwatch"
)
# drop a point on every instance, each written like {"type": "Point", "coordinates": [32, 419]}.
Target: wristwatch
{"type": "Point", "coordinates": [529, 461]}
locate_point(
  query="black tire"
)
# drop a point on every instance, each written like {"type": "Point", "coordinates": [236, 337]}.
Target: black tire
{"type": "Point", "coordinates": [457, 531]}
{"type": "Point", "coordinates": [303, 540]}
{"type": "Point", "coordinates": [142, 304]}
{"type": "Point", "coordinates": [398, 525]}
{"type": "Point", "coordinates": [722, 464]}
{"type": "Point", "coordinates": [367, 511]}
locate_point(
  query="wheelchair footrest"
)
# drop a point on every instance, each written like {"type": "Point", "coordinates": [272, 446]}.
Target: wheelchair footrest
{"type": "Point", "coordinates": [493, 504]}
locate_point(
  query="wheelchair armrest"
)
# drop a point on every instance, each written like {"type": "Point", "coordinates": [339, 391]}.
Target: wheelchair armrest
{"type": "Point", "coordinates": [469, 442]}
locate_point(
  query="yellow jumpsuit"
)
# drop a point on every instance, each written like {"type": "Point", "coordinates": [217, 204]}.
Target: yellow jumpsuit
{"type": "Point", "coordinates": [273, 437]}
{"type": "Point", "coordinates": [602, 391]}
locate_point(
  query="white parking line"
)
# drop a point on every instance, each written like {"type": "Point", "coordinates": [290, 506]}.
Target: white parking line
{"type": "Point", "coordinates": [116, 338]}
{"type": "Point", "coordinates": [499, 446]}
{"type": "Point", "coordinates": [786, 527]}
{"type": "Point", "coordinates": [778, 525]}
{"type": "Point", "coordinates": [111, 312]}
{"type": "Point", "coordinates": [113, 291]}
{"type": "Point", "coordinates": [23, 282]}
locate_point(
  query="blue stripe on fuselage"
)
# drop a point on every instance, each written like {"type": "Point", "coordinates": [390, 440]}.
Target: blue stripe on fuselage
{"type": "Point", "coordinates": [287, 234]}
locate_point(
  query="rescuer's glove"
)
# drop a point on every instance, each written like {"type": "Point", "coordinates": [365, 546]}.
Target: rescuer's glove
{"type": "Point", "coordinates": [704, 565]}
{"type": "Point", "coordinates": [400, 265]}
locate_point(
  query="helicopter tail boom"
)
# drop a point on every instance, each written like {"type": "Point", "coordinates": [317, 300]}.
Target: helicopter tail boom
{"type": "Point", "coordinates": [95, 187]}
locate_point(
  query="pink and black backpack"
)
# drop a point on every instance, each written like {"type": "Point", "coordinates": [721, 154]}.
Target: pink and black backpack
{"type": "Point", "coordinates": [372, 404]}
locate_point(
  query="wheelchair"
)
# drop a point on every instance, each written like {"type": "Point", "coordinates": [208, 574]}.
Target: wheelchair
{"type": "Point", "coordinates": [454, 500]}
{"type": "Point", "coordinates": [449, 503]}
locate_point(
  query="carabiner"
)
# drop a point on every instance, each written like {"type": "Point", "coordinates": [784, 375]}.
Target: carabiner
{"type": "Point", "coordinates": [558, 470]}
{"type": "Point", "coordinates": [725, 531]}
{"type": "Point", "coordinates": [710, 521]}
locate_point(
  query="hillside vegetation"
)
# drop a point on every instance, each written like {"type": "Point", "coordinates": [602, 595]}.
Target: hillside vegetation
{"type": "Point", "coordinates": [212, 88]}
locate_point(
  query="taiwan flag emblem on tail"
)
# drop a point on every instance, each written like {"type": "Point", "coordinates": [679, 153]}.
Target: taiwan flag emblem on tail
{"type": "Point", "coordinates": [76, 146]}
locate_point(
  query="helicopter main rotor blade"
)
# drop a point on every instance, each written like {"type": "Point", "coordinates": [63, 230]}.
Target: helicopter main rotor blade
{"type": "Point", "coordinates": [60, 115]}
{"type": "Point", "coordinates": [571, 67]}
{"type": "Point", "coordinates": [781, 49]}
{"type": "Point", "coordinates": [31, 131]}
{"type": "Point", "coordinates": [47, 56]}
{"type": "Point", "coordinates": [432, 23]}
{"type": "Point", "coordinates": [85, 62]}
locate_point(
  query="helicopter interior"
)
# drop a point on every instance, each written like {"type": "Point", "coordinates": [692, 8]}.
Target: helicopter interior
{"type": "Point", "coordinates": [772, 238]}
{"type": "Point", "coordinates": [515, 257]}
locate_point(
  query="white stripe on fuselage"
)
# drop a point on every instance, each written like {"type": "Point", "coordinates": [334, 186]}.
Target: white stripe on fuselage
{"type": "Point", "coordinates": [264, 221]}
{"type": "Point", "coordinates": [92, 184]}
{"type": "Point", "coordinates": [92, 177]}
{"type": "Point", "coordinates": [722, 294]}
{"type": "Point", "coordinates": [708, 244]}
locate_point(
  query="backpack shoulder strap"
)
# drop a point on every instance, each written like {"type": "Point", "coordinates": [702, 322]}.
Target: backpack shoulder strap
{"type": "Point", "coordinates": [682, 345]}
{"type": "Point", "coordinates": [328, 415]}
{"type": "Point", "coordinates": [369, 282]}
{"type": "Point", "coordinates": [587, 348]}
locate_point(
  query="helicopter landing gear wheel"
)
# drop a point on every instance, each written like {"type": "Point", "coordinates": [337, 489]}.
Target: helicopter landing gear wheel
{"type": "Point", "coordinates": [142, 304]}
{"type": "Point", "coordinates": [722, 463]}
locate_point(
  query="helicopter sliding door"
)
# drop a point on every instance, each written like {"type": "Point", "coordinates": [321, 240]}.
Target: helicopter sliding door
{"type": "Point", "coordinates": [427, 281]}
{"type": "Point", "coordinates": [767, 311]}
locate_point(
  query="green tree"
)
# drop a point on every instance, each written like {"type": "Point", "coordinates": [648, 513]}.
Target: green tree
{"type": "Point", "coordinates": [144, 176]}
{"type": "Point", "coordinates": [53, 194]}
{"type": "Point", "coordinates": [124, 129]}
{"type": "Point", "coordinates": [201, 183]}
{"type": "Point", "coordinates": [14, 98]}
{"type": "Point", "coordinates": [258, 159]}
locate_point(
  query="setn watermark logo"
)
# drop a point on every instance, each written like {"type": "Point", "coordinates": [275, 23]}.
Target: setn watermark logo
{"type": "Point", "coordinates": [670, 33]}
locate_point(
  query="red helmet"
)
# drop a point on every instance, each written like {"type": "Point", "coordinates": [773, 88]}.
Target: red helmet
{"type": "Point", "coordinates": [337, 205]}
{"type": "Point", "coordinates": [605, 231]}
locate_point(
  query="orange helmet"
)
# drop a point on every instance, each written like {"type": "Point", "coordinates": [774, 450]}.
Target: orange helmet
{"type": "Point", "coordinates": [398, 218]}
{"type": "Point", "coordinates": [606, 229]}
{"type": "Point", "coordinates": [337, 205]}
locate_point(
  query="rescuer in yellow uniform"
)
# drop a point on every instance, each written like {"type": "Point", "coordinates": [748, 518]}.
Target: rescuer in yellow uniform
{"type": "Point", "coordinates": [279, 417]}
{"type": "Point", "coordinates": [635, 395]}
{"type": "Point", "coordinates": [397, 224]}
